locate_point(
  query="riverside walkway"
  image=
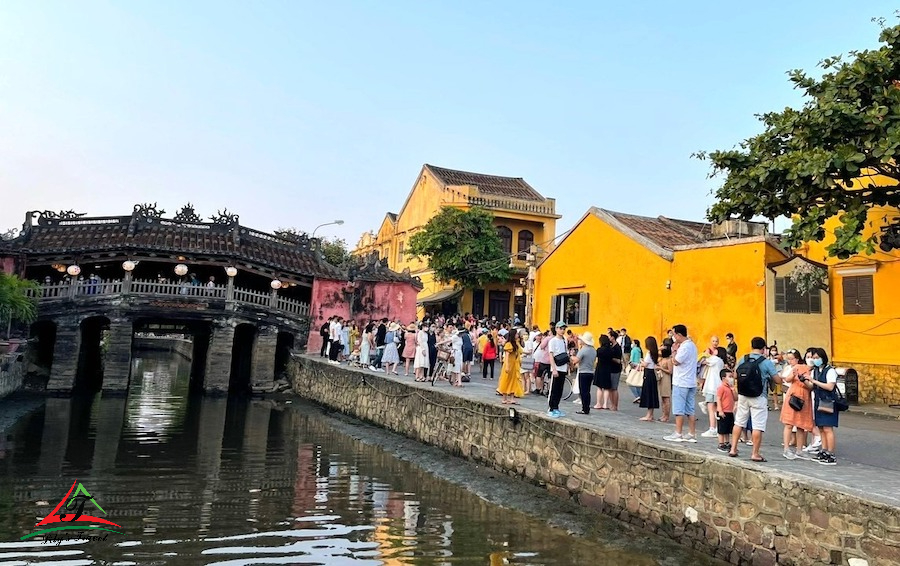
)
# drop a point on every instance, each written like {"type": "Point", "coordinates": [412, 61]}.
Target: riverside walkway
{"type": "Point", "coordinates": [868, 458]}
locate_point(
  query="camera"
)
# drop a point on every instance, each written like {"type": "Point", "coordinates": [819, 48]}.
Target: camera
{"type": "Point", "coordinates": [802, 378]}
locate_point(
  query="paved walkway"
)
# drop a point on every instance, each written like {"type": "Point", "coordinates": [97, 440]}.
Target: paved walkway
{"type": "Point", "coordinates": [867, 451]}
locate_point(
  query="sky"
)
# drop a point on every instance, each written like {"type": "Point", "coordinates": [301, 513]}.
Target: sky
{"type": "Point", "coordinates": [294, 114]}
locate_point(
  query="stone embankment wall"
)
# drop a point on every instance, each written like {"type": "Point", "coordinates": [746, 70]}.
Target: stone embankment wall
{"type": "Point", "coordinates": [12, 373]}
{"type": "Point", "coordinates": [723, 509]}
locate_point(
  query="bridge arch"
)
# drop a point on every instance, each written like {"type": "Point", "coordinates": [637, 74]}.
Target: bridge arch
{"type": "Point", "coordinates": [242, 350]}
{"type": "Point", "coordinates": [285, 343]}
{"type": "Point", "coordinates": [94, 339]}
{"type": "Point", "coordinates": [42, 334]}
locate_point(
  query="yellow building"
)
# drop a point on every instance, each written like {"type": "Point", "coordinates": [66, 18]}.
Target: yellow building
{"type": "Point", "coordinates": [865, 310]}
{"type": "Point", "coordinates": [522, 215]}
{"type": "Point", "coordinates": [647, 274]}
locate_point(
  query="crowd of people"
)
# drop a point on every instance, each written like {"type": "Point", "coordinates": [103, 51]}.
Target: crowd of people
{"type": "Point", "coordinates": [670, 375]}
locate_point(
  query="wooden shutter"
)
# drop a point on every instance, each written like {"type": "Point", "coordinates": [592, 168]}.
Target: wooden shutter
{"type": "Point", "coordinates": [815, 301]}
{"type": "Point", "coordinates": [780, 294]}
{"type": "Point", "coordinates": [554, 308]}
{"type": "Point", "coordinates": [859, 295]}
{"type": "Point", "coordinates": [583, 309]}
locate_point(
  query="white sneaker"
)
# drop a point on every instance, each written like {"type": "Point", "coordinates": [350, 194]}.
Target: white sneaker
{"type": "Point", "coordinates": [789, 454]}
{"type": "Point", "coordinates": [711, 433]}
{"type": "Point", "coordinates": [674, 437]}
{"type": "Point", "coordinates": [689, 438]}
{"type": "Point", "coordinates": [749, 442]}
{"type": "Point", "coordinates": [372, 368]}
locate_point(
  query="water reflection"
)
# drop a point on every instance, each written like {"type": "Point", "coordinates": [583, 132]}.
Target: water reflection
{"type": "Point", "coordinates": [215, 481]}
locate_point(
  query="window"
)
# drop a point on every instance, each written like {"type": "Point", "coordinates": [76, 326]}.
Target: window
{"type": "Point", "coordinates": [526, 240]}
{"type": "Point", "coordinates": [859, 295]}
{"type": "Point", "coordinates": [400, 251]}
{"type": "Point", "coordinates": [789, 300]}
{"type": "Point", "coordinates": [505, 238]}
{"type": "Point", "coordinates": [572, 308]}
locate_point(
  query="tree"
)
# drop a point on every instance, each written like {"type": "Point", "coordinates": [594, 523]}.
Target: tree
{"type": "Point", "coordinates": [462, 247]}
{"type": "Point", "coordinates": [334, 251]}
{"type": "Point", "coordinates": [837, 156]}
{"type": "Point", "coordinates": [14, 301]}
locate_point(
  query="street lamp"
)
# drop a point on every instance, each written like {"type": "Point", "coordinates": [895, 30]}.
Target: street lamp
{"type": "Point", "coordinates": [338, 222]}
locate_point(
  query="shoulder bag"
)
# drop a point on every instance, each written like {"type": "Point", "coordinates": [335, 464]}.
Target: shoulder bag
{"type": "Point", "coordinates": [561, 359]}
{"type": "Point", "coordinates": [796, 403]}
{"type": "Point", "coordinates": [635, 377]}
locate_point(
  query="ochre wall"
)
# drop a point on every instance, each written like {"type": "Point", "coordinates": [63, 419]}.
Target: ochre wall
{"type": "Point", "coordinates": [866, 341]}
{"type": "Point", "coordinates": [713, 290]}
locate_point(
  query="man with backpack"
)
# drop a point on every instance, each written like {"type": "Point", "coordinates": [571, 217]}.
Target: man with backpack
{"type": "Point", "coordinates": [752, 377]}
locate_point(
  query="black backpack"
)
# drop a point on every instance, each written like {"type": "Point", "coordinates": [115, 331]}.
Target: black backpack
{"type": "Point", "coordinates": [749, 377]}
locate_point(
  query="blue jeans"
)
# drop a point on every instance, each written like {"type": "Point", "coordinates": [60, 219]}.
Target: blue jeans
{"type": "Point", "coordinates": [683, 400]}
{"type": "Point", "coordinates": [635, 390]}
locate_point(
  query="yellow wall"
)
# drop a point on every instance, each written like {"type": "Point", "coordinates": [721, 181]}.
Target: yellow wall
{"type": "Point", "coordinates": [796, 330]}
{"type": "Point", "coordinates": [869, 339]}
{"type": "Point", "coordinates": [713, 290]}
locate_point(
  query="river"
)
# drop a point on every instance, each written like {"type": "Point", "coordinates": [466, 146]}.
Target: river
{"type": "Point", "coordinates": [192, 480]}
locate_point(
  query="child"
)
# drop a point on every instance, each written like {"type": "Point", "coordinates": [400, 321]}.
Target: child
{"type": "Point", "coordinates": [725, 398]}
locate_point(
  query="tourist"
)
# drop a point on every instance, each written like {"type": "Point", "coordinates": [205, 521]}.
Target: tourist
{"type": "Point", "coordinates": [366, 342]}
{"type": "Point", "coordinates": [778, 360]}
{"type": "Point", "coordinates": [390, 358]}
{"type": "Point", "coordinates": [409, 348]}
{"type": "Point", "coordinates": [334, 334]}
{"type": "Point", "coordinates": [584, 360]}
{"type": "Point", "coordinates": [558, 371]}
{"type": "Point", "coordinates": [731, 349]}
{"type": "Point", "coordinates": [488, 356]}
{"type": "Point", "coordinates": [799, 415]}
{"type": "Point", "coordinates": [824, 383]}
{"type": "Point", "coordinates": [421, 363]}
{"type": "Point", "coordinates": [526, 362]}
{"type": "Point", "coordinates": [725, 399]}
{"type": "Point", "coordinates": [603, 372]}
{"type": "Point", "coordinates": [510, 385]}
{"type": "Point", "coordinates": [325, 333]}
{"type": "Point", "coordinates": [650, 387]}
{"type": "Point", "coordinates": [479, 344]}
{"type": "Point", "coordinates": [345, 342]}
{"type": "Point", "coordinates": [684, 385]}
{"type": "Point", "coordinates": [380, 338]}
{"type": "Point", "coordinates": [468, 352]}
{"type": "Point", "coordinates": [816, 444]}
{"type": "Point", "coordinates": [455, 341]}
{"type": "Point", "coordinates": [615, 370]}
{"type": "Point", "coordinates": [664, 368]}
{"type": "Point", "coordinates": [353, 335]}
{"type": "Point", "coordinates": [634, 361]}
{"type": "Point", "coordinates": [542, 361]}
{"type": "Point", "coordinates": [711, 368]}
{"type": "Point", "coordinates": [753, 374]}
{"type": "Point", "coordinates": [432, 350]}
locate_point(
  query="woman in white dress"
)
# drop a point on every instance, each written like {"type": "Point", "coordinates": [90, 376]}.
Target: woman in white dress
{"type": "Point", "coordinates": [365, 345]}
{"type": "Point", "coordinates": [421, 362]}
{"type": "Point", "coordinates": [455, 342]}
{"type": "Point", "coordinates": [391, 357]}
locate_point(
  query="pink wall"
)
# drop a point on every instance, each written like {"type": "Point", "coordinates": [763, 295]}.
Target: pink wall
{"type": "Point", "coordinates": [7, 265]}
{"type": "Point", "coordinates": [370, 300]}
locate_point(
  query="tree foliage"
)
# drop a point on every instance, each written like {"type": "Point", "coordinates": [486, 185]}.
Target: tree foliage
{"type": "Point", "coordinates": [334, 251]}
{"type": "Point", "coordinates": [838, 155]}
{"type": "Point", "coordinates": [462, 247]}
{"type": "Point", "coordinates": [15, 304]}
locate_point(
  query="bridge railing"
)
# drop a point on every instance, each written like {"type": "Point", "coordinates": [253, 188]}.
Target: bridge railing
{"type": "Point", "coordinates": [143, 287]}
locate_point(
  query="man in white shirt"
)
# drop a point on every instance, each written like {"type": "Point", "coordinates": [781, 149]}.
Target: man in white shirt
{"type": "Point", "coordinates": [336, 345]}
{"type": "Point", "coordinates": [558, 372]}
{"type": "Point", "coordinates": [684, 385]}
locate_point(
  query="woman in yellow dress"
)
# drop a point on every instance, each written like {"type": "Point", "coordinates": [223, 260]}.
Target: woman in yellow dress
{"type": "Point", "coordinates": [510, 375]}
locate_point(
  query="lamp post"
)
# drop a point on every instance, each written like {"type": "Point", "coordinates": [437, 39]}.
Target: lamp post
{"type": "Point", "coordinates": [338, 222]}
{"type": "Point", "coordinates": [128, 266]}
{"type": "Point", "coordinates": [230, 271]}
{"type": "Point", "coordinates": [530, 258]}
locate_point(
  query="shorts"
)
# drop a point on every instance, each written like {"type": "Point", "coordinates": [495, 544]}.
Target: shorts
{"type": "Point", "coordinates": [543, 370]}
{"type": "Point", "coordinates": [754, 408]}
{"type": "Point", "coordinates": [614, 381]}
{"type": "Point", "coordinates": [683, 400]}
{"type": "Point", "coordinates": [710, 398]}
{"type": "Point", "coordinates": [725, 424]}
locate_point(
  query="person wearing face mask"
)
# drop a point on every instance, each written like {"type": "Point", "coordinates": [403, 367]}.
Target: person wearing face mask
{"type": "Point", "coordinates": [824, 383]}
{"type": "Point", "coordinates": [813, 448]}
{"type": "Point", "coordinates": [797, 417]}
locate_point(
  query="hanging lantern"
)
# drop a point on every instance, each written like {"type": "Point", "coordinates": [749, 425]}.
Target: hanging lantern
{"type": "Point", "coordinates": [73, 270]}
{"type": "Point", "coordinates": [230, 271]}
{"type": "Point", "coordinates": [181, 269]}
{"type": "Point", "coordinates": [275, 284]}
{"type": "Point", "coordinates": [128, 265]}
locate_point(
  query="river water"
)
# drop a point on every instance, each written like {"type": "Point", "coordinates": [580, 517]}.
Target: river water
{"type": "Point", "coordinates": [225, 482]}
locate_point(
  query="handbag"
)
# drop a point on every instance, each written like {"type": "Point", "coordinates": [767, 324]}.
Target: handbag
{"type": "Point", "coordinates": [839, 401]}
{"type": "Point", "coordinates": [796, 403]}
{"type": "Point", "coordinates": [561, 359]}
{"type": "Point", "coordinates": [635, 378]}
{"type": "Point", "coordinates": [826, 406]}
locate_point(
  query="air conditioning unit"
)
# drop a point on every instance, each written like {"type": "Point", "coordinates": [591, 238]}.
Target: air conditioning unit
{"type": "Point", "coordinates": [738, 229]}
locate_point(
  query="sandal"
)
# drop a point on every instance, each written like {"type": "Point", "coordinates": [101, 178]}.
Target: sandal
{"type": "Point", "coordinates": [733, 454]}
{"type": "Point", "coordinates": [761, 459]}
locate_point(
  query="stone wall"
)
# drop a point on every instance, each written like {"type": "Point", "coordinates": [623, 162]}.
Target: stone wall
{"type": "Point", "coordinates": [878, 383]}
{"type": "Point", "coordinates": [724, 509]}
{"type": "Point", "coordinates": [12, 372]}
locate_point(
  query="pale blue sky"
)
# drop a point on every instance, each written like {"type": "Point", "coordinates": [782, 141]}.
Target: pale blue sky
{"type": "Point", "coordinates": [297, 113]}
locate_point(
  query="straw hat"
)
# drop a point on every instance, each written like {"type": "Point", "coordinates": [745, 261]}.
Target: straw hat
{"type": "Point", "coordinates": [587, 338]}
{"type": "Point", "coordinates": [411, 326]}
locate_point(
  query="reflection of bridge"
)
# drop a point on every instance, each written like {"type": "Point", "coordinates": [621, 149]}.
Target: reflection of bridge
{"type": "Point", "coordinates": [242, 296]}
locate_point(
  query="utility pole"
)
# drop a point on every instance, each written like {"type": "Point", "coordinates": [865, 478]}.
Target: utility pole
{"type": "Point", "coordinates": [529, 286]}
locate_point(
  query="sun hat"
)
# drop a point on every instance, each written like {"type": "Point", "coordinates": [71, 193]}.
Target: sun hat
{"type": "Point", "coordinates": [587, 338]}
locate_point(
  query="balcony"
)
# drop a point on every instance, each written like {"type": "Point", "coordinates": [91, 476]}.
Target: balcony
{"type": "Point", "coordinates": [542, 208]}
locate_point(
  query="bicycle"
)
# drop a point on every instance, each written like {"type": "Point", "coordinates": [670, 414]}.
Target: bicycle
{"type": "Point", "coordinates": [567, 387]}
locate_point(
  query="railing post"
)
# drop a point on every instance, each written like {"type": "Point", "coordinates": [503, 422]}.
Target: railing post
{"type": "Point", "coordinates": [273, 298]}
{"type": "Point", "coordinates": [229, 289]}
{"type": "Point", "coordinates": [73, 287]}
{"type": "Point", "coordinates": [126, 283]}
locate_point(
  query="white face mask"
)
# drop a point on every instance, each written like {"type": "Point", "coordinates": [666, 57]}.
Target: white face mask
{"type": "Point", "coordinates": [809, 361]}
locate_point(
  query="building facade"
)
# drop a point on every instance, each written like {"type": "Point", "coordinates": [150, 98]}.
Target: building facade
{"type": "Point", "coordinates": [523, 218]}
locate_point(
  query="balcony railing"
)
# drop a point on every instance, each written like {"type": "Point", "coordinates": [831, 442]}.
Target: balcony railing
{"type": "Point", "coordinates": [547, 207]}
{"type": "Point", "coordinates": [148, 288]}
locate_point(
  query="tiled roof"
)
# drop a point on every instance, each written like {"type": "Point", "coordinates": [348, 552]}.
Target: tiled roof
{"type": "Point", "coordinates": [665, 232]}
{"type": "Point", "coordinates": [136, 235]}
{"type": "Point", "coordinates": [510, 187]}
{"type": "Point", "coordinates": [372, 268]}
{"type": "Point", "coordinates": [392, 216]}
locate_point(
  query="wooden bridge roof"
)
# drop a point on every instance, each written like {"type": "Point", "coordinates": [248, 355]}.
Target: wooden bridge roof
{"type": "Point", "coordinates": [48, 236]}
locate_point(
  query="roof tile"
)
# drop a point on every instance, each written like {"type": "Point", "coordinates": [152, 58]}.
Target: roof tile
{"type": "Point", "coordinates": [511, 187]}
